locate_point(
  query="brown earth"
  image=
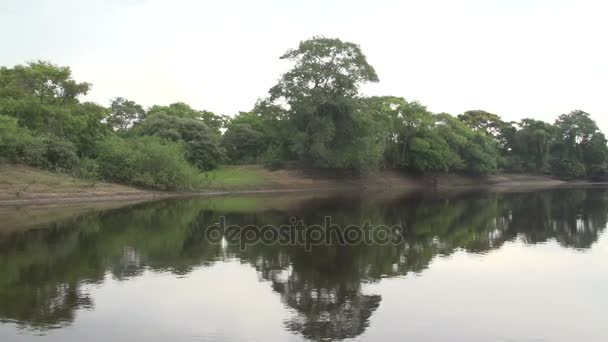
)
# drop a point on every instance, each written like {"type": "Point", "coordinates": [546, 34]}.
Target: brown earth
{"type": "Point", "coordinates": [25, 185]}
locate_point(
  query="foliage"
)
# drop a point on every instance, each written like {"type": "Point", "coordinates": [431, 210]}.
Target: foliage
{"type": "Point", "coordinates": [326, 127]}
{"type": "Point", "coordinates": [59, 155]}
{"type": "Point", "coordinates": [19, 145]}
{"type": "Point", "coordinates": [492, 125]}
{"type": "Point", "coordinates": [477, 152]}
{"type": "Point", "coordinates": [88, 169]}
{"type": "Point", "coordinates": [145, 161]}
{"type": "Point", "coordinates": [314, 116]}
{"type": "Point", "coordinates": [202, 143]}
{"type": "Point", "coordinates": [184, 111]}
{"type": "Point", "coordinates": [246, 138]}
{"type": "Point", "coordinates": [324, 69]}
{"type": "Point", "coordinates": [44, 98]}
{"type": "Point", "coordinates": [568, 168]}
{"type": "Point", "coordinates": [532, 146]}
{"type": "Point", "coordinates": [124, 113]}
{"type": "Point", "coordinates": [579, 146]}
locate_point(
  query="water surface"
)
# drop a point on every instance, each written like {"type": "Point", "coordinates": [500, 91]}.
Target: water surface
{"type": "Point", "coordinates": [471, 266]}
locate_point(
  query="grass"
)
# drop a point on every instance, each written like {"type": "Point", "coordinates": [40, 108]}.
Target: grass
{"type": "Point", "coordinates": [234, 177]}
{"type": "Point", "coordinates": [21, 182]}
{"type": "Point", "coordinates": [15, 175]}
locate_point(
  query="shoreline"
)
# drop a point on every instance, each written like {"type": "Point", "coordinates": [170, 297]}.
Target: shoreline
{"type": "Point", "coordinates": [149, 195]}
{"type": "Point", "coordinates": [20, 185]}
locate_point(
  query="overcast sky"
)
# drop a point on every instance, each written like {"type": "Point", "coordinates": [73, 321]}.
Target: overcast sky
{"type": "Point", "coordinates": [516, 58]}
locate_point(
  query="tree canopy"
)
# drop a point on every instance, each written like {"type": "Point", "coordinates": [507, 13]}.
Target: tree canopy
{"type": "Point", "coordinates": [314, 116]}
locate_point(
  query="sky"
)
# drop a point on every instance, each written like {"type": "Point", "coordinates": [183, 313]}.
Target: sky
{"type": "Point", "coordinates": [515, 58]}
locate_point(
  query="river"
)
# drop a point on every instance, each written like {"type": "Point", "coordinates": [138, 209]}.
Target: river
{"type": "Point", "coordinates": [447, 266]}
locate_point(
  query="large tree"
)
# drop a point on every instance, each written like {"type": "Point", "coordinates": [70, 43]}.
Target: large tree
{"type": "Point", "coordinates": [45, 98]}
{"type": "Point", "coordinates": [124, 113]}
{"type": "Point", "coordinates": [580, 148]}
{"type": "Point", "coordinates": [319, 93]}
{"type": "Point", "coordinates": [532, 146]}
{"type": "Point", "coordinates": [184, 111]}
{"type": "Point", "coordinates": [492, 125]}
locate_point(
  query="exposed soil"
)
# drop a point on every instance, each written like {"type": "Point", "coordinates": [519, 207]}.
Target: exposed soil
{"type": "Point", "coordinates": [25, 185]}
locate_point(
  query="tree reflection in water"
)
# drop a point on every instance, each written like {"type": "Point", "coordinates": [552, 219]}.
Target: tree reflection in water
{"type": "Point", "coordinates": [45, 268]}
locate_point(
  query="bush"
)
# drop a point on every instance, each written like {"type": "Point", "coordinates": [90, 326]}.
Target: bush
{"type": "Point", "coordinates": [14, 140]}
{"type": "Point", "coordinates": [19, 145]}
{"type": "Point", "coordinates": [568, 168]}
{"type": "Point", "coordinates": [59, 155]}
{"type": "Point", "coordinates": [145, 161]}
{"type": "Point", "coordinates": [204, 154]}
{"type": "Point", "coordinates": [272, 159]}
{"type": "Point", "coordinates": [202, 145]}
{"type": "Point", "coordinates": [88, 169]}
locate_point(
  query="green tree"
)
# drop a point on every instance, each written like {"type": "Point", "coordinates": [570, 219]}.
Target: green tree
{"type": "Point", "coordinates": [476, 150]}
{"type": "Point", "coordinates": [202, 143]}
{"type": "Point", "coordinates": [532, 146]}
{"type": "Point", "coordinates": [124, 113]}
{"type": "Point", "coordinates": [326, 128]}
{"type": "Point", "coordinates": [44, 98]}
{"type": "Point", "coordinates": [246, 138]}
{"type": "Point", "coordinates": [48, 83]}
{"type": "Point", "coordinates": [580, 148]}
{"type": "Point", "coordinates": [492, 125]}
{"type": "Point", "coordinates": [184, 111]}
{"type": "Point", "coordinates": [149, 162]}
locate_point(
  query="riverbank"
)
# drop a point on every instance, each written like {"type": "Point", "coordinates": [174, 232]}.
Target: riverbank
{"type": "Point", "coordinates": [26, 185]}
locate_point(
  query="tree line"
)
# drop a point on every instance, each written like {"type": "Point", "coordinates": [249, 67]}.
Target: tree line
{"type": "Point", "coordinates": [314, 117]}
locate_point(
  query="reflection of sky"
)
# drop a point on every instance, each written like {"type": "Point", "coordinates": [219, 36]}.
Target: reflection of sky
{"type": "Point", "coordinates": [224, 302]}
{"type": "Point", "coordinates": [519, 292]}
{"type": "Point", "coordinates": [536, 58]}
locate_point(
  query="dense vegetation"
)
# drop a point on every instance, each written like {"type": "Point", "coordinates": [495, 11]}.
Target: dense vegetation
{"type": "Point", "coordinates": [314, 116]}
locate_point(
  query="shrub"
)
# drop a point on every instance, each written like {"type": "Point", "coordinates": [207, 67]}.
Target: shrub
{"type": "Point", "coordinates": [272, 159]}
{"type": "Point", "coordinates": [88, 169]}
{"type": "Point", "coordinates": [204, 154]}
{"type": "Point", "coordinates": [19, 145]}
{"type": "Point", "coordinates": [14, 141]}
{"type": "Point", "coordinates": [145, 161]}
{"type": "Point", "coordinates": [59, 155]}
{"type": "Point", "coordinates": [568, 168]}
{"type": "Point", "coordinates": [202, 144]}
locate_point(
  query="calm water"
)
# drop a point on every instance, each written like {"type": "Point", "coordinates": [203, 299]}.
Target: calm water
{"type": "Point", "coordinates": [469, 267]}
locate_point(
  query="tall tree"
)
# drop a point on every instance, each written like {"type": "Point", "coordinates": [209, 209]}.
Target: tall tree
{"type": "Point", "coordinates": [44, 98]}
{"type": "Point", "coordinates": [492, 125]}
{"type": "Point", "coordinates": [580, 147]}
{"type": "Point", "coordinates": [327, 129]}
{"type": "Point", "coordinates": [532, 146]}
{"type": "Point", "coordinates": [182, 110]}
{"type": "Point", "coordinates": [124, 113]}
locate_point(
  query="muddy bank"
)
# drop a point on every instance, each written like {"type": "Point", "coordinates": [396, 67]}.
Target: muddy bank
{"type": "Point", "coordinates": [20, 185]}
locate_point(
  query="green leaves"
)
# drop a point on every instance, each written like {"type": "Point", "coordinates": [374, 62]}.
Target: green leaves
{"type": "Point", "coordinates": [324, 68]}
{"type": "Point", "coordinates": [326, 128]}
{"type": "Point", "coordinates": [314, 115]}
{"type": "Point", "coordinates": [184, 111]}
{"type": "Point", "coordinates": [145, 161]}
{"type": "Point", "coordinates": [44, 98]}
{"type": "Point", "coordinates": [580, 148]}
{"type": "Point", "coordinates": [124, 113]}
{"type": "Point", "coordinates": [202, 143]}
